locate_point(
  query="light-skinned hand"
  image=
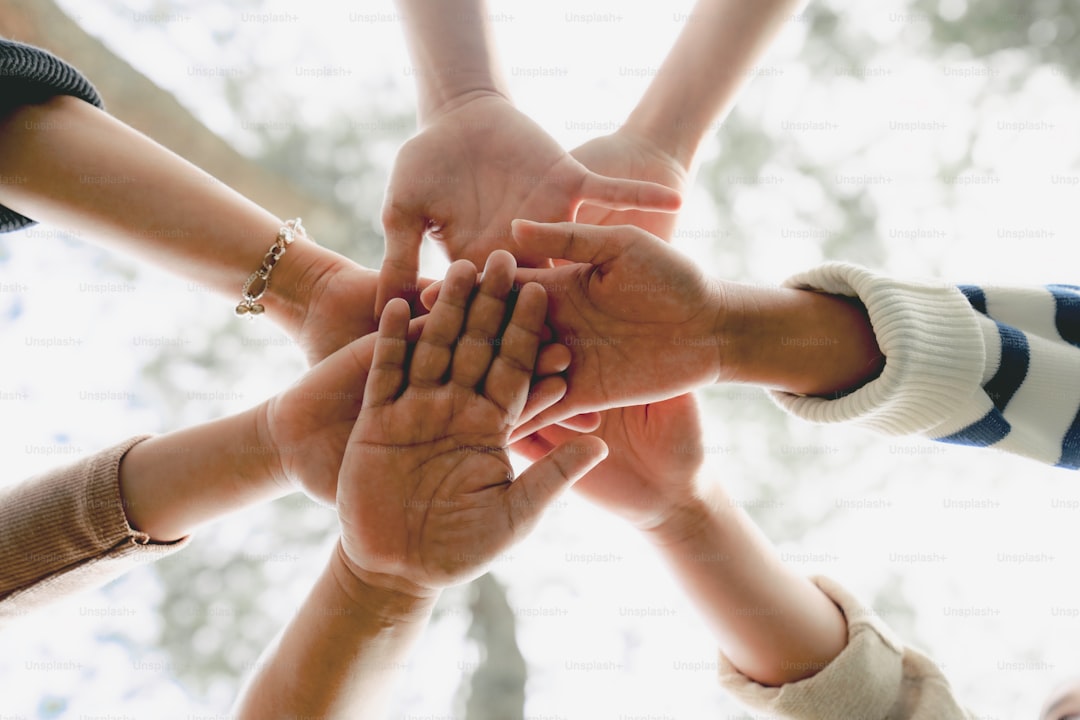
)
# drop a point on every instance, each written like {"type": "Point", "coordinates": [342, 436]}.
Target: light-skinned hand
{"type": "Point", "coordinates": [427, 497]}
{"type": "Point", "coordinates": [307, 426]}
{"type": "Point", "coordinates": [478, 164]}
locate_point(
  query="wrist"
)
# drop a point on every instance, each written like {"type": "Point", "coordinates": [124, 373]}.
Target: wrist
{"type": "Point", "coordinates": [675, 137]}
{"type": "Point", "coordinates": [452, 100]}
{"type": "Point", "coordinates": [296, 282]}
{"type": "Point", "coordinates": [173, 483]}
{"type": "Point", "coordinates": [724, 347]}
{"type": "Point", "coordinates": [801, 341]}
{"type": "Point", "coordinates": [387, 599]}
{"type": "Point", "coordinates": [688, 524]}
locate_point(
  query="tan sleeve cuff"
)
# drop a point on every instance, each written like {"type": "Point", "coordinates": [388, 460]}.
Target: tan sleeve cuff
{"type": "Point", "coordinates": [863, 681]}
{"type": "Point", "coordinates": [66, 531]}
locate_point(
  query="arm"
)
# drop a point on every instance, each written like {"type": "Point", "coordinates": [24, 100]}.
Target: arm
{"type": "Point", "coordinates": [701, 76]}
{"type": "Point", "coordinates": [631, 301]}
{"type": "Point", "coordinates": [477, 162]}
{"type": "Point", "coordinates": [982, 366]}
{"type": "Point", "coordinates": [775, 626]}
{"type": "Point", "coordinates": [426, 495]}
{"type": "Point", "coordinates": [82, 170]}
{"type": "Point", "coordinates": [696, 85]}
{"type": "Point", "coordinates": [790, 647]}
{"type": "Point", "coordinates": [452, 48]}
{"type": "Point", "coordinates": [80, 526]}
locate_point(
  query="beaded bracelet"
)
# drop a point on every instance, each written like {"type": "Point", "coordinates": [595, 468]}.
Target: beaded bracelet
{"type": "Point", "coordinates": [259, 281]}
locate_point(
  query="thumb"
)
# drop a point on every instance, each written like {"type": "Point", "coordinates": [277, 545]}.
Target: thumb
{"type": "Point", "coordinates": [539, 486]}
{"type": "Point", "coordinates": [593, 244]}
{"type": "Point", "coordinates": [621, 194]}
{"type": "Point", "coordinates": [400, 272]}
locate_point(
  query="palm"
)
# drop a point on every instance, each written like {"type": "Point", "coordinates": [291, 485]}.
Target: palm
{"type": "Point", "coordinates": [434, 491]}
{"type": "Point", "coordinates": [310, 423]}
{"type": "Point", "coordinates": [655, 453]}
{"type": "Point", "coordinates": [637, 323]}
{"type": "Point", "coordinates": [477, 168]}
{"type": "Point", "coordinates": [625, 155]}
{"type": "Point", "coordinates": [426, 493]}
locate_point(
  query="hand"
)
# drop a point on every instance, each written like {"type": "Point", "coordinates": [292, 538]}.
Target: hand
{"type": "Point", "coordinates": [477, 165]}
{"type": "Point", "coordinates": [427, 496]}
{"type": "Point", "coordinates": [338, 304]}
{"type": "Point", "coordinates": [642, 321]}
{"type": "Point", "coordinates": [307, 427]}
{"type": "Point", "coordinates": [626, 154]}
{"type": "Point", "coordinates": [654, 455]}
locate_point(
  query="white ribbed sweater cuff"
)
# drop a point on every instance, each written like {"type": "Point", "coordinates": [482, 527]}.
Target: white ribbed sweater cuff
{"type": "Point", "coordinates": [933, 346]}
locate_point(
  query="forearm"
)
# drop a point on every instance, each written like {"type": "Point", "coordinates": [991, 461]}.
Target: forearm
{"type": "Point", "coordinates": [341, 652]}
{"type": "Point", "coordinates": [451, 47]}
{"type": "Point", "coordinates": [799, 341]}
{"type": "Point", "coordinates": [775, 626]}
{"type": "Point", "coordinates": [84, 171]}
{"type": "Point", "coordinates": [172, 483]}
{"type": "Point", "coordinates": [701, 76]}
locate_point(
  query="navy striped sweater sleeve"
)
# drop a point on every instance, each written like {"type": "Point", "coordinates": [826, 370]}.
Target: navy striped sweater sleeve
{"type": "Point", "coordinates": [984, 366]}
{"type": "Point", "coordinates": [31, 75]}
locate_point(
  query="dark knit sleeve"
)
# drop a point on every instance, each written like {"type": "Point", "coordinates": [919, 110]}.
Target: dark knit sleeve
{"type": "Point", "coordinates": [31, 75]}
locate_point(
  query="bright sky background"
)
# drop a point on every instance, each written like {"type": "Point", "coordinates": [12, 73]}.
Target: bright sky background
{"type": "Point", "coordinates": [569, 611]}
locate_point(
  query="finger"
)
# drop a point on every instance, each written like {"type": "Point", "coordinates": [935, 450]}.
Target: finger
{"type": "Point", "coordinates": [435, 348]}
{"type": "Point", "coordinates": [551, 436]}
{"type": "Point", "coordinates": [430, 294]}
{"type": "Point", "coordinates": [552, 358]}
{"type": "Point", "coordinates": [621, 194]}
{"type": "Point", "coordinates": [539, 486]}
{"type": "Point", "coordinates": [532, 447]}
{"type": "Point", "coordinates": [592, 244]}
{"type": "Point", "coordinates": [487, 312]}
{"type": "Point", "coordinates": [542, 395]}
{"type": "Point", "coordinates": [400, 269]}
{"type": "Point", "coordinates": [556, 416]}
{"type": "Point", "coordinates": [557, 413]}
{"type": "Point", "coordinates": [415, 302]}
{"type": "Point", "coordinates": [388, 361]}
{"type": "Point", "coordinates": [507, 382]}
{"type": "Point", "coordinates": [585, 422]}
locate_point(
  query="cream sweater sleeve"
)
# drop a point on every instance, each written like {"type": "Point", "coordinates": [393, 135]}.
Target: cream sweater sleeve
{"type": "Point", "coordinates": [65, 531]}
{"type": "Point", "coordinates": [874, 678]}
{"type": "Point", "coordinates": [984, 366]}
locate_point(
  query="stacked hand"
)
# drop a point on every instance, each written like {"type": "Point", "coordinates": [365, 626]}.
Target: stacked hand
{"type": "Point", "coordinates": [427, 496]}
{"type": "Point", "coordinates": [477, 165]}
{"type": "Point", "coordinates": [626, 154]}
{"type": "Point", "coordinates": [640, 319]}
{"type": "Point", "coordinates": [307, 427]}
{"type": "Point", "coordinates": [655, 452]}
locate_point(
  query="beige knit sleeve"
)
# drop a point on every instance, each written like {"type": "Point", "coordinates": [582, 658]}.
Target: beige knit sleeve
{"type": "Point", "coordinates": [65, 531]}
{"type": "Point", "coordinates": [874, 678]}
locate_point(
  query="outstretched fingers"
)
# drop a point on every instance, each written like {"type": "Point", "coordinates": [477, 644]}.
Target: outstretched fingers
{"type": "Point", "coordinates": [487, 312]}
{"type": "Point", "coordinates": [511, 372]}
{"type": "Point", "coordinates": [622, 194]}
{"type": "Point", "coordinates": [435, 348]}
{"type": "Point", "coordinates": [387, 374]}
{"type": "Point", "coordinates": [593, 244]}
